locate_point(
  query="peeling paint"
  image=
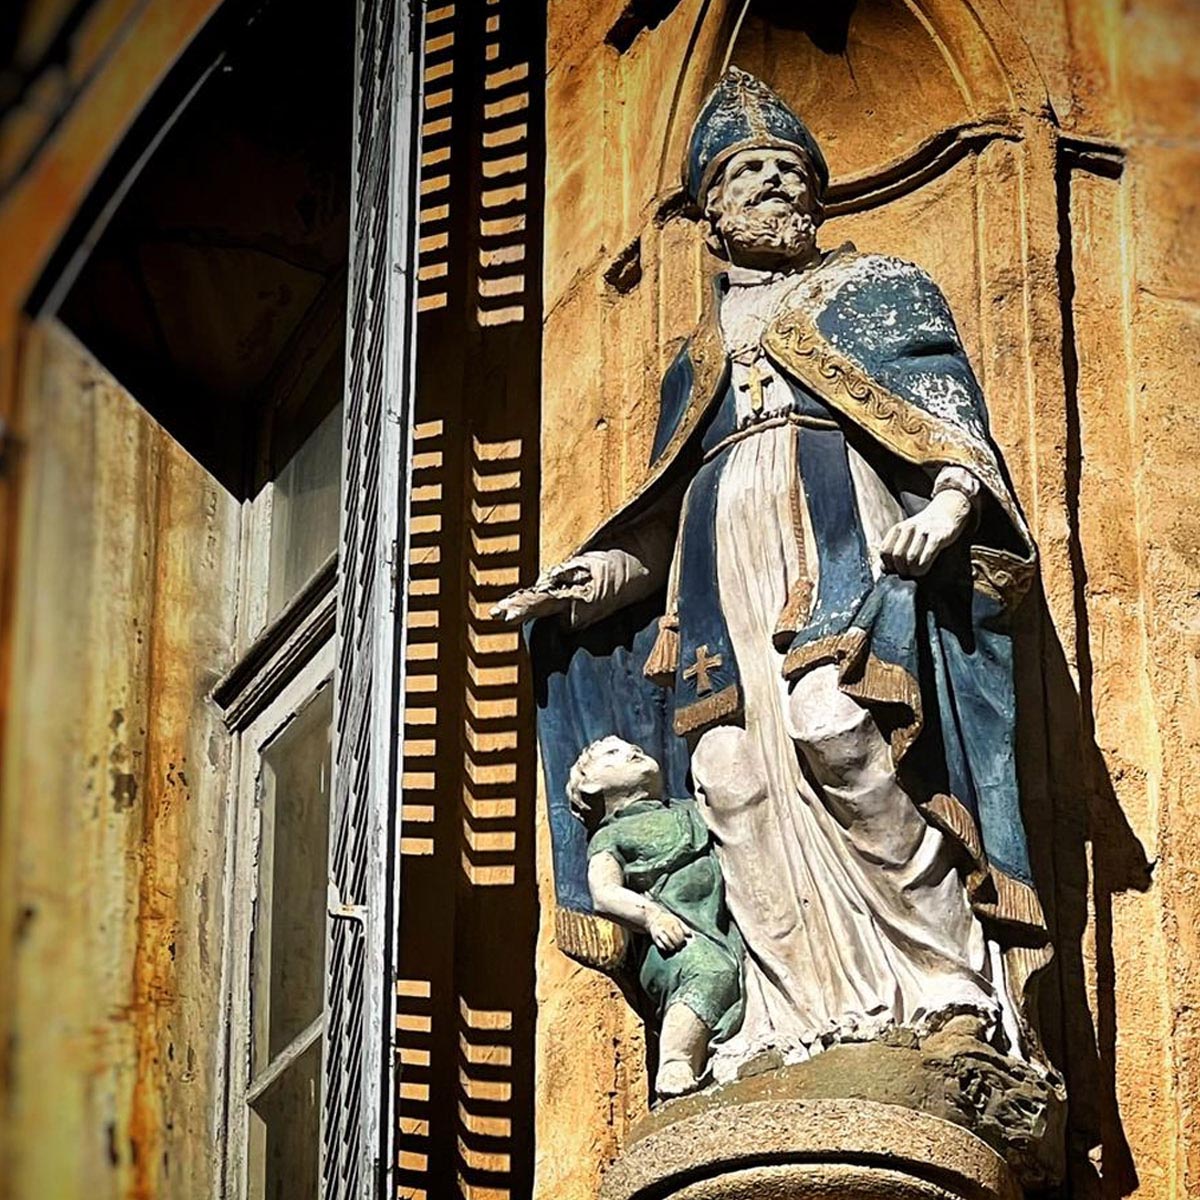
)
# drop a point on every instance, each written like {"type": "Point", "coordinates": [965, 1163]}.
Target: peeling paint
{"type": "Point", "coordinates": [124, 790]}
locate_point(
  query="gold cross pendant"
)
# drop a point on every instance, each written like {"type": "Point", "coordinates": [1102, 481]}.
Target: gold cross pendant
{"type": "Point", "coordinates": [700, 668]}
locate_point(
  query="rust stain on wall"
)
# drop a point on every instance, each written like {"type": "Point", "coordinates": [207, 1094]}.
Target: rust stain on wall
{"type": "Point", "coordinates": [128, 557]}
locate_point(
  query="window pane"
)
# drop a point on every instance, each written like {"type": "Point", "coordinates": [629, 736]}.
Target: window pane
{"type": "Point", "coordinates": [287, 980]}
{"type": "Point", "coordinates": [285, 1131]}
{"type": "Point", "coordinates": [304, 505]}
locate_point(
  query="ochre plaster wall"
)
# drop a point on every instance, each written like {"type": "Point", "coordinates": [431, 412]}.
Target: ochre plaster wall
{"type": "Point", "coordinates": [116, 769]}
{"type": "Point", "coordinates": [119, 56]}
{"type": "Point", "coordinates": [110, 843]}
{"type": "Point", "coordinates": [1066, 240]}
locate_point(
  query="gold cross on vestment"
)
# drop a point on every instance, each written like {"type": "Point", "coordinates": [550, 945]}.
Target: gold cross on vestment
{"type": "Point", "coordinates": [700, 668]}
{"type": "Point", "coordinates": [756, 380]}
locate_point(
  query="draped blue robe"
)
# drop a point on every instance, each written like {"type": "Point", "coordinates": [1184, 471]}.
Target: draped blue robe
{"type": "Point", "coordinates": [873, 358]}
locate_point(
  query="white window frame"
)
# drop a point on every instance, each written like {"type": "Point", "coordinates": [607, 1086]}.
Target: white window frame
{"type": "Point", "coordinates": [255, 623]}
{"type": "Point", "coordinates": [253, 740]}
{"type": "Point", "coordinates": [282, 663]}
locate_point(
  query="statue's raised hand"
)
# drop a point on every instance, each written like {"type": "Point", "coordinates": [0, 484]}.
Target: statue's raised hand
{"type": "Point", "coordinates": [553, 592]}
{"type": "Point", "coordinates": [911, 546]}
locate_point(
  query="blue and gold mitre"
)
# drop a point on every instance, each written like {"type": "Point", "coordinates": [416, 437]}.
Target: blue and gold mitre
{"type": "Point", "coordinates": [742, 113]}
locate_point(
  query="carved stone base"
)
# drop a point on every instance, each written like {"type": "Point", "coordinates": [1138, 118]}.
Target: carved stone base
{"type": "Point", "coordinates": [949, 1075]}
{"type": "Point", "coordinates": [808, 1150]}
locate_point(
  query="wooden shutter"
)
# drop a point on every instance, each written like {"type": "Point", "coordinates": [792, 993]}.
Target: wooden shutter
{"type": "Point", "coordinates": [357, 1085]}
{"type": "Point", "coordinates": [468, 925]}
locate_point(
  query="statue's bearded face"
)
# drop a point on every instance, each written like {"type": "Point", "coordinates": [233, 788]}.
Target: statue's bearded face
{"type": "Point", "coordinates": [763, 210]}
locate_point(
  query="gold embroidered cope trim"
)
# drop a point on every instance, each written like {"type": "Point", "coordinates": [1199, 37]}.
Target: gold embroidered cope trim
{"type": "Point", "coordinates": [795, 343]}
{"type": "Point", "coordinates": [994, 894]}
{"type": "Point", "coordinates": [1001, 575]}
{"type": "Point", "coordinates": [590, 938]}
{"type": "Point", "coordinates": [796, 609]}
{"type": "Point", "coordinates": [725, 703]}
{"type": "Point", "coordinates": [865, 677]}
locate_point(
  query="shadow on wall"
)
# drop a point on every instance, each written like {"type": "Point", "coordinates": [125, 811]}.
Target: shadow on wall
{"type": "Point", "coordinates": [469, 908]}
{"type": "Point", "coordinates": [827, 26]}
{"type": "Point", "coordinates": [1084, 854]}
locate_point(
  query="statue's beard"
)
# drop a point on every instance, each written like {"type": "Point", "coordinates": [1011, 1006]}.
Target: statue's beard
{"type": "Point", "coordinates": [760, 233]}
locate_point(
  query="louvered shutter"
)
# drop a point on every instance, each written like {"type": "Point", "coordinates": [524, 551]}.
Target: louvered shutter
{"type": "Point", "coordinates": [357, 1085]}
{"type": "Point", "coordinates": [468, 925]}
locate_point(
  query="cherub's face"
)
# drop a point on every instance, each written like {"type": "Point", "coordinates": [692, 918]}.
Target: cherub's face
{"type": "Point", "coordinates": [622, 773]}
{"type": "Point", "coordinates": [762, 209]}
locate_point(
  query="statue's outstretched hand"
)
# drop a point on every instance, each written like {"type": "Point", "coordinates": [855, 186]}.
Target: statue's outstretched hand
{"type": "Point", "coordinates": [911, 546]}
{"type": "Point", "coordinates": [553, 592]}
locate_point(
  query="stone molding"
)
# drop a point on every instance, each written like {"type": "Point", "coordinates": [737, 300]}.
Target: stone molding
{"type": "Point", "coordinates": [794, 1149]}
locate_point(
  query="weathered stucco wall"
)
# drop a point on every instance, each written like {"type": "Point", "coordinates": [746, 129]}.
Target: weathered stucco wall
{"type": "Point", "coordinates": [114, 773]}
{"type": "Point", "coordinates": [110, 918]}
{"type": "Point", "coordinates": [1064, 234]}
{"type": "Point", "coordinates": [118, 54]}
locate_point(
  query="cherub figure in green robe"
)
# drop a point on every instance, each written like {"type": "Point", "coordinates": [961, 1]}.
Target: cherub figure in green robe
{"type": "Point", "coordinates": [651, 867]}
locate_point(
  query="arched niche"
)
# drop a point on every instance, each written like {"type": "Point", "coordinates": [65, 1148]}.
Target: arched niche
{"type": "Point", "coordinates": [936, 125]}
{"type": "Point", "coordinates": [928, 111]}
{"type": "Point", "coordinates": [883, 83]}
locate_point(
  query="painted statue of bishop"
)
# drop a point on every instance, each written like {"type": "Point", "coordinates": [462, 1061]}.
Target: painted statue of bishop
{"type": "Point", "coordinates": [803, 616]}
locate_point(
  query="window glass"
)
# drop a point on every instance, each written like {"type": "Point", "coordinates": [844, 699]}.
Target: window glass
{"type": "Point", "coordinates": [287, 975]}
{"type": "Point", "coordinates": [304, 505]}
{"type": "Point", "coordinates": [285, 1132]}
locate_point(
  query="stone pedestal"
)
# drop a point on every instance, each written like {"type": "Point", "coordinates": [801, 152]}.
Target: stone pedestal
{"type": "Point", "coordinates": [789, 1149]}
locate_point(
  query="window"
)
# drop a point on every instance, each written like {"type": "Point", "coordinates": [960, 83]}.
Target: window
{"type": "Point", "coordinates": [277, 943]}
{"type": "Point", "coordinates": [304, 512]}
{"type": "Point", "coordinates": [290, 529]}
{"type": "Point", "coordinates": [255, 240]}
{"type": "Point", "coordinates": [279, 704]}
